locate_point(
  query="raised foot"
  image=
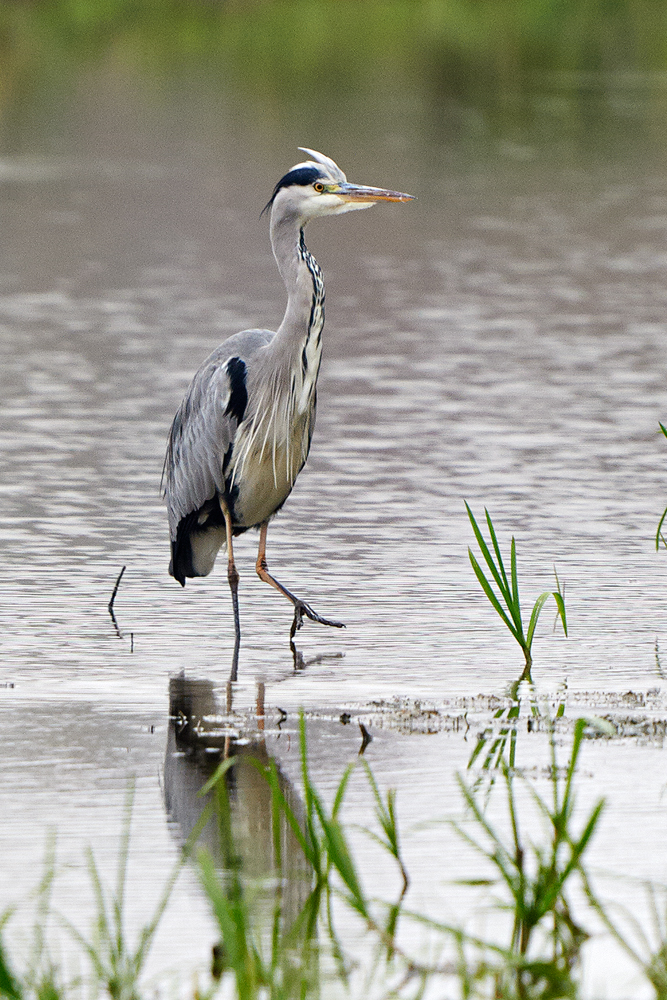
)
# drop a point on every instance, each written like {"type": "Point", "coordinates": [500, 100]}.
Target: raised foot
{"type": "Point", "coordinates": [301, 609]}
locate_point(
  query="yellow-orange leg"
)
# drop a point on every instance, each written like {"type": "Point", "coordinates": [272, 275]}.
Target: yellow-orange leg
{"type": "Point", "coordinates": [233, 578]}
{"type": "Point", "coordinates": [300, 607]}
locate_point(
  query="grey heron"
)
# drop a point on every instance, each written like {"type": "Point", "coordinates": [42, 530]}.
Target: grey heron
{"type": "Point", "coordinates": [242, 433]}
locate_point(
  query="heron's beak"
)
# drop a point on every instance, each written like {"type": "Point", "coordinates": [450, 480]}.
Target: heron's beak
{"type": "Point", "coordinates": [359, 193]}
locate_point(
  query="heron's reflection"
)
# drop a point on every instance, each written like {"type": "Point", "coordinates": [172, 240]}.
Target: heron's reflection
{"type": "Point", "coordinates": [201, 735]}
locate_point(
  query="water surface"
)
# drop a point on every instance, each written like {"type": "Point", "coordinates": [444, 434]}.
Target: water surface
{"type": "Point", "coordinates": [500, 341]}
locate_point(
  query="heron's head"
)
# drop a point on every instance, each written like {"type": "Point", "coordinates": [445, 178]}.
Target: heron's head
{"type": "Point", "coordinates": [319, 187]}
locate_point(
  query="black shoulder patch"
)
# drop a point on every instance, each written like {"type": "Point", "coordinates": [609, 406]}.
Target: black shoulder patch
{"type": "Point", "coordinates": [238, 394]}
{"type": "Point", "coordinates": [302, 175]}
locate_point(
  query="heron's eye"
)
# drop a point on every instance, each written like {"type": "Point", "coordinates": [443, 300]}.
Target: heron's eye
{"type": "Point", "coordinates": [319, 187]}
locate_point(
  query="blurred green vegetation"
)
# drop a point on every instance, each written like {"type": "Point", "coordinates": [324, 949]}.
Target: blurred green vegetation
{"type": "Point", "coordinates": [583, 77]}
{"type": "Point", "coordinates": [294, 46]}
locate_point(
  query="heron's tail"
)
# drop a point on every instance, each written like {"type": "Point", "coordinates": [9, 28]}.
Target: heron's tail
{"type": "Point", "coordinates": [199, 537]}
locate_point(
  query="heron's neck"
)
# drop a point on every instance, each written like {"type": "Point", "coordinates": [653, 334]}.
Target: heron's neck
{"type": "Point", "coordinates": [301, 329]}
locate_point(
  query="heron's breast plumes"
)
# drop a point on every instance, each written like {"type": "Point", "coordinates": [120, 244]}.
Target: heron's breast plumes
{"type": "Point", "coordinates": [270, 450]}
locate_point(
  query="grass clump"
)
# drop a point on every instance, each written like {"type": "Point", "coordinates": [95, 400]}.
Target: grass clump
{"type": "Point", "coordinates": [498, 741]}
{"type": "Point", "coordinates": [539, 962]}
{"type": "Point", "coordinates": [298, 953]}
{"type": "Point", "coordinates": [534, 877]}
{"type": "Point", "coordinates": [42, 979]}
{"type": "Point", "coordinates": [647, 949]}
{"type": "Point", "coordinates": [117, 965]}
{"type": "Point", "coordinates": [281, 961]}
{"type": "Point", "coordinates": [289, 960]}
{"type": "Point", "coordinates": [503, 590]}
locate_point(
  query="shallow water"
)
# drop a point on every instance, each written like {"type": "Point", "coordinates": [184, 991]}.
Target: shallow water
{"type": "Point", "coordinates": [500, 341]}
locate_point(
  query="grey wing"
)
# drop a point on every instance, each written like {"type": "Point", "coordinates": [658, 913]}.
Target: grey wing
{"type": "Point", "coordinates": [203, 430]}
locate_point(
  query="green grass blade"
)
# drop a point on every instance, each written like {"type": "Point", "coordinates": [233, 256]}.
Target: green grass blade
{"type": "Point", "coordinates": [123, 859]}
{"type": "Point", "coordinates": [103, 922]}
{"type": "Point", "coordinates": [390, 823]}
{"type": "Point", "coordinates": [515, 579]}
{"type": "Point", "coordinates": [341, 858]}
{"type": "Point", "coordinates": [535, 614]}
{"type": "Point", "coordinates": [289, 814]}
{"type": "Point", "coordinates": [498, 575]}
{"type": "Point", "coordinates": [9, 985]}
{"type": "Point", "coordinates": [220, 770]}
{"type": "Point", "coordinates": [579, 727]}
{"type": "Point", "coordinates": [512, 754]}
{"type": "Point", "coordinates": [386, 813]}
{"type": "Point", "coordinates": [314, 851]}
{"type": "Point", "coordinates": [581, 844]}
{"type": "Point", "coordinates": [227, 915]}
{"type": "Point", "coordinates": [560, 604]}
{"type": "Point", "coordinates": [340, 791]}
{"type": "Point", "coordinates": [499, 855]}
{"type": "Point", "coordinates": [374, 787]}
{"type": "Point", "coordinates": [499, 558]}
{"type": "Point", "coordinates": [479, 746]}
{"type": "Point", "coordinates": [281, 805]}
{"type": "Point", "coordinates": [509, 589]}
{"type": "Point", "coordinates": [493, 600]}
{"type": "Point", "coordinates": [276, 809]}
{"type": "Point", "coordinates": [93, 951]}
{"type": "Point", "coordinates": [658, 535]}
{"type": "Point", "coordinates": [150, 929]}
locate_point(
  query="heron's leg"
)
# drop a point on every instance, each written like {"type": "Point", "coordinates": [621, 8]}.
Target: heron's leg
{"type": "Point", "coordinates": [300, 607]}
{"type": "Point", "coordinates": [233, 578]}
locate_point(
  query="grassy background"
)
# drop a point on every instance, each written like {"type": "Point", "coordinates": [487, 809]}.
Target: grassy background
{"type": "Point", "coordinates": [318, 53]}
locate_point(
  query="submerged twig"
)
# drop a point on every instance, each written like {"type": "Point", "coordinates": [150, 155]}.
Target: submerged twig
{"type": "Point", "coordinates": [366, 738]}
{"type": "Point", "coordinates": [111, 602]}
{"type": "Point", "coordinates": [115, 589]}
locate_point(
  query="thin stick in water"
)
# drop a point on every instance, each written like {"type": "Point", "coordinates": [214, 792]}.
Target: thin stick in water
{"type": "Point", "coordinates": [113, 598]}
{"type": "Point", "coordinates": [115, 590]}
{"type": "Point", "coordinates": [366, 738]}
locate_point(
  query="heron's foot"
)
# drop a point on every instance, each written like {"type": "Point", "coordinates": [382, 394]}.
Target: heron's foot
{"type": "Point", "coordinates": [301, 609]}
